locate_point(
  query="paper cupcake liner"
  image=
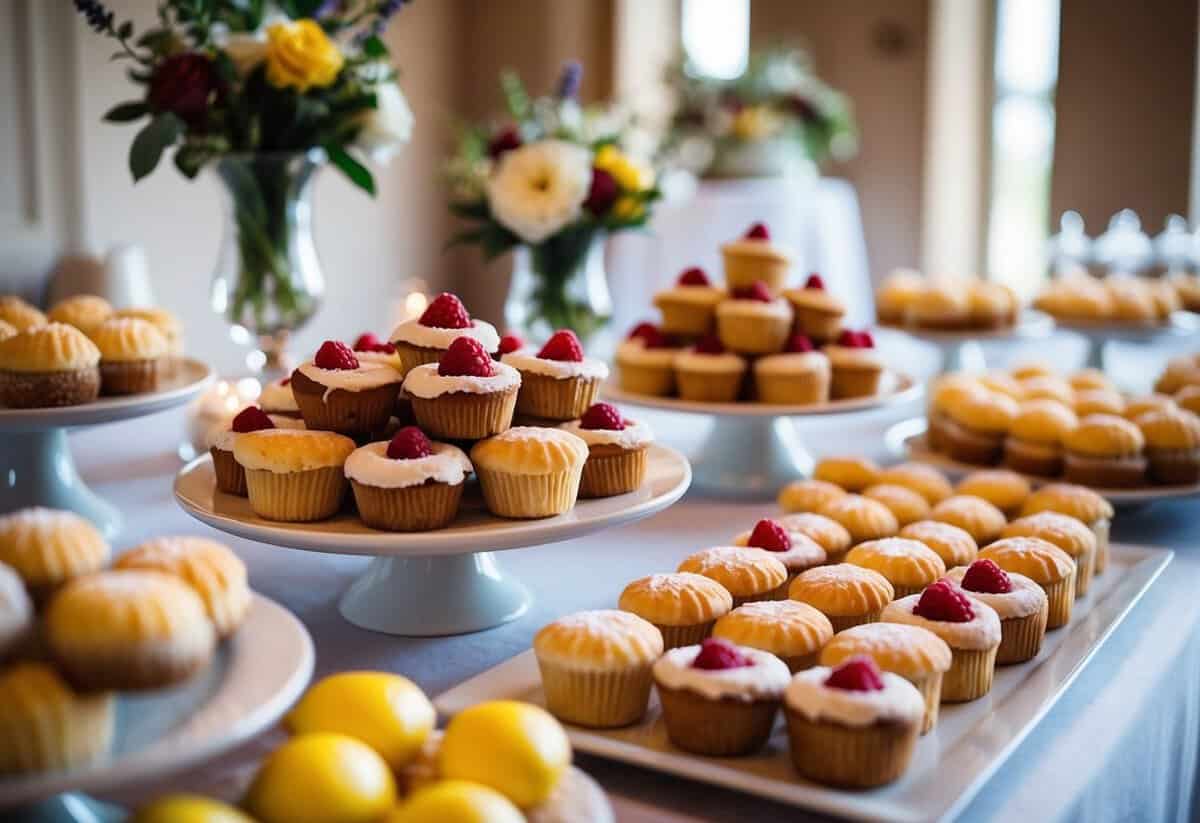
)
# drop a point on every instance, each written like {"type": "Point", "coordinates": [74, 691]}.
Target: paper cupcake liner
{"type": "Point", "coordinates": [967, 446]}
{"type": "Point", "coordinates": [553, 399]}
{"type": "Point", "coordinates": [613, 474]}
{"type": "Point", "coordinates": [1101, 528]}
{"type": "Point", "coordinates": [465, 416]}
{"type": "Point", "coordinates": [905, 591]}
{"type": "Point", "coordinates": [742, 270]}
{"type": "Point", "coordinates": [677, 636]}
{"type": "Point", "coordinates": [40, 390]}
{"type": "Point", "coordinates": [346, 412]}
{"type": "Point", "coordinates": [1021, 638]}
{"type": "Point", "coordinates": [529, 495]}
{"type": "Point", "coordinates": [819, 326]}
{"type": "Point", "coordinates": [969, 676]}
{"type": "Point", "coordinates": [1115, 473]}
{"type": "Point", "coordinates": [800, 662]}
{"type": "Point", "coordinates": [296, 497]}
{"type": "Point", "coordinates": [132, 666]}
{"type": "Point", "coordinates": [687, 319]}
{"type": "Point", "coordinates": [930, 687]}
{"type": "Point", "coordinates": [841, 622]}
{"type": "Point", "coordinates": [792, 389]}
{"type": "Point", "coordinates": [412, 356]}
{"type": "Point", "coordinates": [409, 509]}
{"type": "Point", "coordinates": [655, 381]}
{"type": "Point", "coordinates": [1174, 466]}
{"type": "Point", "coordinates": [858, 757]}
{"type": "Point", "coordinates": [706, 387]}
{"type": "Point", "coordinates": [596, 699]}
{"type": "Point", "coordinates": [1031, 463]}
{"type": "Point", "coordinates": [79, 733]}
{"type": "Point", "coordinates": [725, 727]}
{"type": "Point", "coordinates": [849, 383]}
{"type": "Point", "coordinates": [1061, 595]}
{"type": "Point", "coordinates": [1085, 569]}
{"type": "Point", "coordinates": [130, 376]}
{"type": "Point", "coordinates": [753, 335]}
{"type": "Point", "coordinates": [231, 477]}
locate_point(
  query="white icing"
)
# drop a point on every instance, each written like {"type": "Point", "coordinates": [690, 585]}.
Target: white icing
{"type": "Point", "coordinates": [527, 361]}
{"type": "Point", "coordinates": [853, 357]}
{"type": "Point", "coordinates": [425, 382]}
{"type": "Point", "coordinates": [699, 295]}
{"type": "Point", "coordinates": [430, 337]}
{"type": "Point", "coordinates": [371, 466]}
{"type": "Point", "coordinates": [634, 352]}
{"type": "Point", "coordinates": [276, 397]}
{"type": "Point", "coordinates": [980, 632]}
{"type": "Point", "coordinates": [804, 553]}
{"type": "Point", "coordinates": [757, 248]}
{"type": "Point", "coordinates": [898, 700]}
{"type": "Point", "coordinates": [778, 309]}
{"type": "Point", "coordinates": [224, 439]}
{"type": "Point", "coordinates": [691, 360]}
{"type": "Point", "coordinates": [363, 378]}
{"type": "Point", "coordinates": [633, 436]}
{"type": "Point", "coordinates": [1026, 597]}
{"type": "Point", "coordinates": [794, 363]}
{"type": "Point", "coordinates": [378, 358]}
{"type": "Point", "coordinates": [767, 677]}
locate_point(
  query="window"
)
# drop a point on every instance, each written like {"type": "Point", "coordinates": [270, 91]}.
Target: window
{"type": "Point", "coordinates": [716, 36]}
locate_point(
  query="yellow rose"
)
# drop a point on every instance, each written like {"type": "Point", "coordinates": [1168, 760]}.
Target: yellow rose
{"type": "Point", "coordinates": [629, 174]}
{"type": "Point", "coordinates": [628, 208]}
{"type": "Point", "coordinates": [755, 123]}
{"type": "Point", "coordinates": [301, 55]}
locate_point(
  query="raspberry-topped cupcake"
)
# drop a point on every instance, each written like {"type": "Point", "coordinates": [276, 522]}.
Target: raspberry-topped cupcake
{"type": "Point", "coordinates": [752, 321]}
{"type": "Point", "coordinates": [689, 308]}
{"type": "Point", "coordinates": [857, 366]}
{"type": "Point", "coordinates": [370, 349]}
{"type": "Point", "coordinates": [798, 375]}
{"type": "Point", "coordinates": [795, 550]}
{"type": "Point", "coordinates": [753, 257]}
{"type": "Point", "coordinates": [277, 398]}
{"type": "Point", "coordinates": [231, 477]}
{"type": "Point", "coordinates": [646, 361]}
{"type": "Point", "coordinates": [616, 462]}
{"type": "Point", "coordinates": [426, 339]}
{"type": "Point", "coordinates": [558, 382]}
{"type": "Point", "coordinates": [465, 396]}
{"type": "Point", "coordinates": [818, 313]}
{"type": "Point", "coordinates": [336, 392]}
{"type": "Point", "coordinates": [709, 373]}
{"type": "Point", "coordinates": [1018, 601]}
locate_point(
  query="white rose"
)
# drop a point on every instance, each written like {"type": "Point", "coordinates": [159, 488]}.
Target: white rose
{"type": "Point", "coordinates": [387, 126]}
{"type": "Point", "coordinates": [246, 50]}
{"type": "Point", "coordinates": [539, 188]}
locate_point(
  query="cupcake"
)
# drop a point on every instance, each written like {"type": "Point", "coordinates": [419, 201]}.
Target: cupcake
{"type": "Point", "coordinates": [646, 362]}
{"type": "Point", "coordinates": [908, 565]}
{"type": "Point", "coordinates": [1006, 490]}
{"type": "Point", "coordinates": [864, 518]}
{"type": "Point", "coordinates": [906, 504]}
{"type": "Point", "coordinates": [49, 365]}
{"type": "Point", "coordinates": [7, 330]}
{"type": "Point", "coordinates": [337, 392]}
{"type": "Point", "coordinates": [747, 574]}
{"type": "Point", "coordinates": [990, 305]}
{"type": "Point", "coordinates": [1139, 406]}
{"type": "Point", "coordinates": [974, 515]}
{"type": "Point", "coordinates": [133, 355]}
{"type": "Point", "coordinates": [557, 383]}
{"type": "Point", "coordinates": [1081, 503]}
{"type": "Point", "coordinates": [681, 605]}
{"type": "Point", "coordinates": [1003, 383]}
{"type": "Point", "coordinates": [848, 595]}
{"type": "Point", "coordinates": [167, 324]}
{"type": "Point", "coordinates": [1106, 451]}
{"type": "Point", "coordinates": [922, 478]}
{"type": "Point", "coordinates": [1172, 445]}
{"type": "Point", "coordinates": [1048, 387]}
{"type": "Point", "coordinates": [898, 291]}
{"type": "Point", "coordinates": [829, 534]}
{"type": "Point", "coordinates": [530, 472]}
{"type": "Point", "coordinates": [1188, 398]}
{"type": "Point", "coordinates": [1044, 564]}
{"type": "Point", "coordinates": [1034, 442]}
{"type": "Point", "coordinates": [83, 311]}
{"type": "Point", "coordinates": [754, 258]}
{"type": "Point", "coordinates": [277, 399]}
{"type": "Point", "coordinates": [689, 308]}
{"type": "Point", "coordinates": [407, 484]}
{"type": "Point", "coordinates": [1098, 401]}
{"type": "Point", "coordinates": [955, 546]}
{"type": "Point", "coordinates": [1091, 380]}
{"type": "Point", "coordinates": [617, 447]}
{"type": "Point", "coordinates": [20, 315]}
{"type": "Point", "coordinates": [794, 632]}
{"type": "Point", "coordinates": [852, 726]}
{"type": "Point", "coordinates": [1020, 604]}
{"type": "Point", "coordinates": [1069, 534]}
{"type": "Point", "coordinates": [231, 477]}
{"type": "Point", "coordinates": [754, 322]}
{"type": "Point", "coordinates": [465, 396]}
{"type": "Point", "coordinates": [946, 393]}
{"type": "Point", "coordinates": [857, 366]}
{"type": "Point", "coordinates": [718, 699]}
{"type": "Point", "coordinates": [294, 475]}
{"type": "Point", "coordinates": [916, 654]}
{"type": "Point", "coordinates": [943, 305]}
{"type": "Point", "coordinates": [797, 551]}
{"type": "Point", "coordinates": [969, 627]}
{"type": "Point", "coordinates": [46, 725]}
{"type": "Point", "coordinates": [16, 612]}
{"type": "Point", "coordinates": [808, 495]}
{"type": "Point", "coordinates": [372, 351]}
{"type": "Point", "coordinates": [853, 474]}
{"type": "Point", "coordinates": [977, 426]}
{"type": "Point", "coordinates": [797, 376]}
{"type": "Point", "coordinates": [427, 338]}
{"type": "Point", "coordinates": [708, 373]}
{"type": "Point", "coordinates": [48, 547]}
{"type": "Point", "coordinates": [128, 629]}
{"type": "Point", "coordinates": [595, 667]}
{"type": "Point", "coordinates": [818, 314]}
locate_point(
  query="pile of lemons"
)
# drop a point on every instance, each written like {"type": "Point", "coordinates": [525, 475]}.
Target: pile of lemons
{"type": "Point", "coordinates": [360, 738]}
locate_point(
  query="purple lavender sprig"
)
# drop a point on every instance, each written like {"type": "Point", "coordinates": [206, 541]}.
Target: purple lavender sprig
{"type": "Point", "coordinates": [384, 12]}
{"type": "Point", "coordinates": [570, 80]}
{"type": "Point", "coordinates": [98, 17]}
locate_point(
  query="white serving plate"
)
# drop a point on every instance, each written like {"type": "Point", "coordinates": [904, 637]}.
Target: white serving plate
{"type": "Point", "coordinates": [1031, 324]}
{"type": "Point", "coordinates": [1178, 324]}
{"type": "Point", "coordinates": [952, 763]}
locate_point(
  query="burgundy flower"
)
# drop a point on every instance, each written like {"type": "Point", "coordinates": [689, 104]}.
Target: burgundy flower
{"type": "Point", "coordinates": [602, 194]}
{"type": "Point", "coordinates": [505, 140]}
{"type": "Point", "coordinates": [182, 85]}
{"type": "Point", "coordinates": [802, 108]}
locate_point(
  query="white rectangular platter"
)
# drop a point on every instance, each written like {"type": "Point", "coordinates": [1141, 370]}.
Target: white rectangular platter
{"type": "Point", "coordinates": [952, 763]}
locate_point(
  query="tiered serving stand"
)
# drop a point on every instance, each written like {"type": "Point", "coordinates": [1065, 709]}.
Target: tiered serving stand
{"type": "Point", "coordinates": [1179, 326]}
{"type": "Point", "coordinates": [963, 350]}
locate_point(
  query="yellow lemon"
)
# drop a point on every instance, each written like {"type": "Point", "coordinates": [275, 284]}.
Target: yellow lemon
{"type": "Point", "coordinates": [456, 801]}
{"type": "Point", "coordinates": [322, 778]}
{"type": "Point", "coordinates": [516, 748]}
{"type": "Point", "coordinates": [188, 808]}
{"type": "Point", "coordinates": [386, 711]}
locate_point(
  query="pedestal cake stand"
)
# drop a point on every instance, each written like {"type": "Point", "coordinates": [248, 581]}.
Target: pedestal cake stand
{"type": "Point", "coordinates": [442, 582]}
{"type": "Point", "coordinates": [1179, 326]}
{"type": "Point", "coordinates": [36, 467]}
{"type": "Point", "coordinates": [963, 350]}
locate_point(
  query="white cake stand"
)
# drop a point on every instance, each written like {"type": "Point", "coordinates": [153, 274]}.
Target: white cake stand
{"type": "Point", "coordinates": [963, 350]}
{"type": "Point", "coordinates": [1179, 326]}
{"type": "Point", "coordinates": [441, 582]}
{"type": "Point", "coordinates": [754, 449]}
{"type": "Point", "coordinates": [254, 678]}
{"type": "Point", "coordinates": [36, 467]}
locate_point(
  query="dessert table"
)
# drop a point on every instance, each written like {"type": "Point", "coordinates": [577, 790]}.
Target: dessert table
{"type": "Point", "coordinates": [1122, 744]}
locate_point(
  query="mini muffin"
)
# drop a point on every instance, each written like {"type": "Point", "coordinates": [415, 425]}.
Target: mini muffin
{"type": "Point", "coordinates": [530, 472]}
{"type": "Point", "coordinates": [210, 568]}
{"type": "Point", "coordinates": [916, 654]}
{"type": "Point", "coordinates": [49, 365]}
{"type": "Point", "coordinates": [795, 550]}
{"type": "Point", "coordinates": [818, 313]}
{"type": "Point", "coordinates": [128, 629]}
{"type": "Point", "coordinates": [847, 594]}
{"type": "Point", "coordinates": [617, 448]}
{"type": "Point", "coordinates": [133, 355]}
{"type": "Point", "coordinates": [955, 546]}
{"type": "Point", "coordinates": [1069, 534]}
{"type": "Point", "coordinates": [850, 473]}
{"type": "Point", "coordinates": [337, 392]}
{"type": "Point", "coordinates": [277, 398]}
{"type": "Point", "coordinates": [368, 348]}
{"type": "Point", "coordinates": [718, 699]}
{"type": "Point", "coordinates": [1172, 445]}
{"type": "Point", "coordinates": [797, 376]}
{"type": "Point", "coordinates": [689, 308]}
{"type": "Point", "coordinates": [557, 382]}
{"type": "Point", "coordinates": [852, 726]}
{"type": "Point", "coordinates": [595, 667]}
{"type": "Point", "coordinates": [908, 505]}
{"type": "Point", "coordinates": [1034, 442]}
{"type": "Point", "coordinates": [857, 367]}
{"type": "Point", "coordinates": [1019, 602]}
{"type": "Point", "coordinates": [898, 291]}
{"type": "Point", "coordinates": [1188, 398]}
{"type": "Point", "coordinates": [908, 565]}
{"type": "Point", "coordinates": [231, 477]}
{"type": "Point", "coordinates": [46, 725]}
{"type": "Point", "coordinates": [753, 258]}
{"type": "Point", "coordinates": [294, 475]}
{"type": "Point", "coordinates": [166, 323]}
{"type": "Point", "coordinates": [747, 574]}
{"type": "Point", "coordinates": [48, 547]}
{"type": "Point", "coordinates": [681, 605]}
{"type": "Point", "coordinates": [945, 393]}
{"type": "Point", "coordinates": [1079, 502]}
{"type": "Point", "coordinates": [1182, 370]}
{"type": "Point", "coordinates": [408, 483]}
{"type": "Point", "coordinates": [1091, 380]}
{"type": "Point", "coordinates": [974, 515]}
{"type": "Point", "coordinates": [20, 315]}
{"type": "Point", "coordinates": [991, 305]}
{"type": "Point", "coordinates": [464, 396]}
{"type": "Point", "coordinates": [1138, 406]}
{"type": "Point", "coordinates": [1047, 387]}
{"type": "Point", "coordinates": [646, 362]}
{"type": "Point", "coordinates": [1098, 401]}
{"type": "Point", "coordinates": [1105, 451]}
{"type": "Point", "coordinates": [977, 427]}
{"type": "Point", "coordinates": [794, 632]}
{"type": "Point", "coordinates": [922, 478]}
{"type": "Point", "coordinates": [1043, 563]}
{"type": "Point", "coordinates": [808, 495]}
{"type": "Point", "coordinates": [83, 311]}
{"type": "Point", "coordinates": [709, 373]}
{"type": "Point", "coordinates": [1006, 490]}
{"type": "Point", "coordinates": [753, 322]}
{"type": "Point", "coordinates": [7, 330]}
{"type": "Point", "coordinates": [1003, 383]}
{"type": "Point", "coordinates": [827, 533]}
{"type": "Point", "coordinates": [864, 518]}
{"type": "Point", "coordinates": [16, 613]}
{"type": "Point", "coordinates": [425, 339]}
{"type": "Point", "coordinates": [942, 305]}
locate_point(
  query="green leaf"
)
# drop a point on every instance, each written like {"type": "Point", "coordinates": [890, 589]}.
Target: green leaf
{"type": "Point", "coordinates": [356, 171]}
{"type": "Point", "coordinates": [149, 144]}
{"type": "Point", "coordinates": [125, 31]}
{"type": "Point", "coordinates": [190, 159]}
{"type": "Point", "coordinates": [516, 99]}
{"type": "Point", "coordinates": [127, 112]}
{"type": "Point", "coordinates": [374, 48]}
{"type": "Point", "coordinates": [296, 9]}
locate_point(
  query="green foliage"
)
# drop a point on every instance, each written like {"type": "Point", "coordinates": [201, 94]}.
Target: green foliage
{"type": "Point", "coordinates": [357, 173]}
{"type": "Point", "coordinates": [127, 112]}
{"type": "Point", "coordinates": [149, 144]}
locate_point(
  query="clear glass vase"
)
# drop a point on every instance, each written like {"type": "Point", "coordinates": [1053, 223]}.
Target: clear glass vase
{"type": "Point", "coordinates": [560, 283]}
{"type": "Point", "coordinates": [268, 281]}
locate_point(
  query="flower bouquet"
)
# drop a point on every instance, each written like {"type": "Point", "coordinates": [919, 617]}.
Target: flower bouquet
{"type": "Point", "coordinates": [266, 94]}
{"type": "Point", "coordinates": [551, 182]}
{"type": "Point", "coordinates": [777, 118]}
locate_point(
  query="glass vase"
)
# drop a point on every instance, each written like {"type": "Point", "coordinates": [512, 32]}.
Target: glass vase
{"type": "Point", "coordinates": [268, 281]}
{"type": "Point", "coordinates": [560, 283]}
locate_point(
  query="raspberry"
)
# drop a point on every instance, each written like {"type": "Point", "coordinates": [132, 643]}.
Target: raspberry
{"type": "Point", "coordinates": [758, 232]}
{"type": "Point", "coordinates": [866, 340]}
{"type": "Point", "coordinates": [602, 416]}
{"type": "Point", "coordinates": [847, 338]}
{"type": "Point", "coordinates": [251, 419]}
{"type": "Point", "coordinates": [716, 654]}
{"type": "Point", "coordinates": [504, 140]}
{"type": "Point", "coordinates": [369, 342]}
{"type": "Point", "coordinates": [336, 356]}
{"type": "Point", "coordinates": [798, 344]}
{"type": "Point", "coordinates": [509, 343]}
{"type": "Point", "coordinates": [563, 345]}
{"type": "Point", "coordinates": [287, 381]}
{"type": "Point", "coordinates": [446, 312]}
{"type": "Point", "coordinates": [602, 192]}
{"type": "Point", "coordinates": [694, 276]}
{"type": "Point", "coordinates": [985, 576]}
{"type": "Point", "coordinates": [709, 344]}
{"type": "Point", "coordinates": [757, 291]}
{"type": "Point", "coordinates": [769, 535]}
{"type": "Point", "coordinates": [409, 443]}
{"type": "Point", "coordinates": [650, 335]}
{"type": "Point", "coordinates": [814, 281]}
{"type": "Point", "coordinates": [857, 674]}
{"type": "Point", "coordinates": [466, 358]}
{"type": "Point", "coordinates": [944, 601]}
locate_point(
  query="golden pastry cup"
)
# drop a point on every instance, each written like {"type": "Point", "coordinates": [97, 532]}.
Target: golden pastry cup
{"type": "Point", "coordinates": [342, 411]}
{"type": "Point", "coordinates": [231, 477]}
{"type": "Point", "coordinates": [1174, 466]}
{"type": "Point", "coordinates": [1085, 569]}
{"type": "Point", "coordinates": [596, 699]}
{"type": "Point", "coordinates": [1114, 473]}
{"type": "Point", "coordinates": [556, 399]}
{"type": "Point", "coordinates": [689, 635]}
{"type": "Point", "coordinates": [466, 416]}
{"type": "Point", "coordinates": [970, 674]}
{"type": "Point", "coordinates": [968, 446]}
{"type": "Point", "coordinates": [819, 325]}
{"type": "Point", "coordinates": [725, 727]}
{"type": "Point", "coordinates": [612, 470]}
{"type": "Point", "coordinates": [525, 496]}
{"type": "Point", "coordinates": [638, 378]}
{"type": "Point", "coordinates": [709, 387]}
{"type": "Point", "coordinates": [852, 382]}
{"type": "Point", "coordinates": [412, 356]}
{"type": "Point", "coordinates": [40, 390]}
{"type": "Point", "coordinates": [850, 756]}
{"type": "Point", "coordinates": [130, 376]}
{"type": "Point", "coordinates": [930, 687]}
{"type": "Point", "coordinates": [1101, 529]}
{"type": "Point", "coordinates": [1060, 596]}
{"type": "Point", "coordinates": [430, 505]}
{"type": "Point", "coordinates": [905, 591]}
{"type": "Point", "coordinates": [753, 335]}
{"type": "Point", "coordinates": [1021, 637]}
{"type": "Point", "coordinates": [841, 622]}
{"type": "Point", "coordinates": [743, 270]}
{"type": "Point", "coordinates": [296, 497]}
{"type": "Point", "coordinates": [792, 389]}
{"type": "Point", "coordinates": [686, 318]}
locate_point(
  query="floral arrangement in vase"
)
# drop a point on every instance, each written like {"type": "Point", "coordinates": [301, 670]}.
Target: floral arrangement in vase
{"type": "Point", "coordinates": [266, 94]}
{"type": "Point", "coordinates": [777, 118]}
{"type": "Point", "coordinates": [550, 181]}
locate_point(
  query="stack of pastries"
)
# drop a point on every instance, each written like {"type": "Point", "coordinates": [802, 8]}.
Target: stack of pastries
{"type": "Point", "coordinates": [1115, 300]}
{"type": "Point", "coordinates": [908, 299]}
{"type": "Point", "coordinates": [77, 626]}
{"type": "Point", "coordinates": [81, 349]}
{"type": "Point", "coordinates": [403, 425]}
{"type": "Point", "coordinates": [755, 339]}
{"type": "Point", "coordinates": [877, 596]}
{"type": "Point", "coordinates": [1076, 426]}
